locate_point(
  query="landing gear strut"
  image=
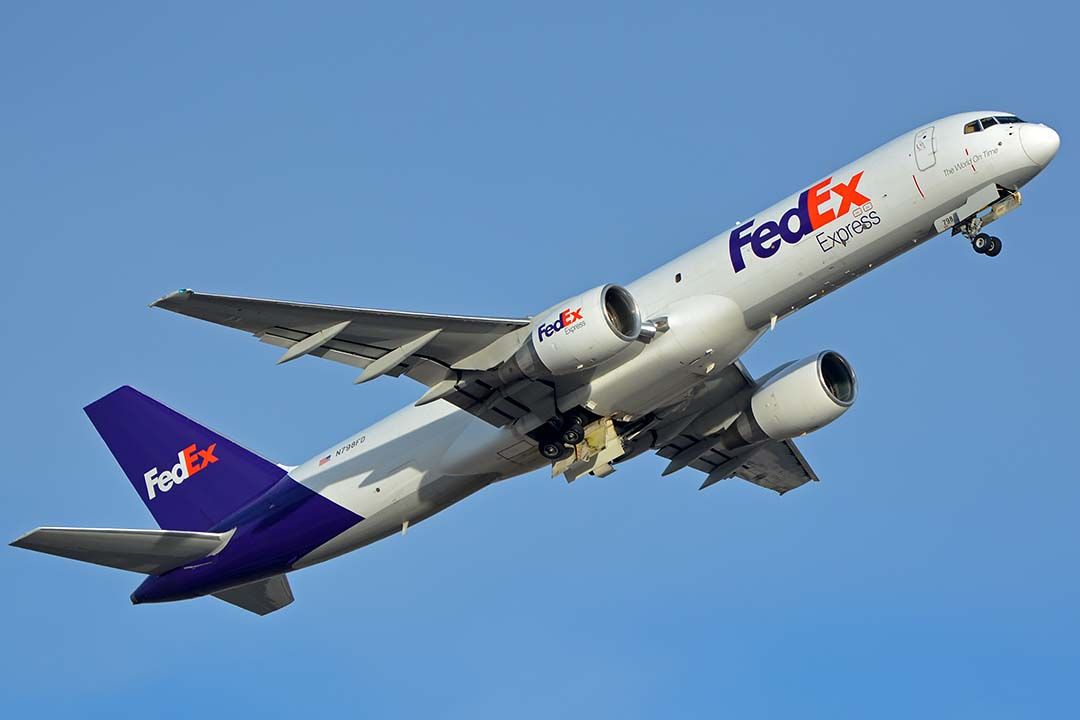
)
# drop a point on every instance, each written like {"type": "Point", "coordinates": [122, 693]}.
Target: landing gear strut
{"type": "Point", "coordinates": [981, 243]}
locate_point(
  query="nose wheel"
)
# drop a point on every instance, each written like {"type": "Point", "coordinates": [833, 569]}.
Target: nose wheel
{"type": "Point", "coordinates": [984, 244]}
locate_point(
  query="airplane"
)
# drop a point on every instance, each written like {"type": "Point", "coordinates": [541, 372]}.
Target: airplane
{"type": "Point", "coordinates": [581, 387]}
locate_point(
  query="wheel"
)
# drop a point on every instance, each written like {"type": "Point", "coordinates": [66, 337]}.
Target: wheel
{"type": "Point", "coordinates": [552, 450]}
{"type": "Point", "coordinates": [995, 247]}
{"type": "Point", "coordinates": [573, 433]}
{"type": "Point", "coordinates": [981, 243]}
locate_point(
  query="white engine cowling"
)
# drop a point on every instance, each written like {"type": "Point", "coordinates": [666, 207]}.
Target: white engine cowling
{"type": "Point", "coordinates": [804, 396]}
{"type": "Point", "coordinates": [576, 334]}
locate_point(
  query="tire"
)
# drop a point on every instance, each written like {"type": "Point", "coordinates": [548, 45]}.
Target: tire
{"type": "Point", "coordinates": [981, 243]}
{"type": "Point", "coordinates": [573, 433]}
{"type": "Point", "coordinates": [552, 450]}
{"type": "Point", "coordinates": [995, 247]}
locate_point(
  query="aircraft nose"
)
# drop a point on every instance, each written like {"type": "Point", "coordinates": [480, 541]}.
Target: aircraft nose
{"type": "Point", "coordinates": [1040, 143]}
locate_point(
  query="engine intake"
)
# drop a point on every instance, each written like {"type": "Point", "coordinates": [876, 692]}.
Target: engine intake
{"type": "Point", "coordinates": [576, 334]}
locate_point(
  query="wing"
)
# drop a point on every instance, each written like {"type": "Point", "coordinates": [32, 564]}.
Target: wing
{"type": "Point", "coordinates": [776, 465]}
{"type": "Point", "coordinates": [448, 353]}
{"type": "Point", "coordinates": [353, 336]}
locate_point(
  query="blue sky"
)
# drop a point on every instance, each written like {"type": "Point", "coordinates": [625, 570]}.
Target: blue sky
{"type": "Point", "coordinates": [490, 159]}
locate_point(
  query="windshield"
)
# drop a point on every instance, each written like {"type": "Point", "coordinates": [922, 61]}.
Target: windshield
{"type": "Point", "coordinates": [983, 123]}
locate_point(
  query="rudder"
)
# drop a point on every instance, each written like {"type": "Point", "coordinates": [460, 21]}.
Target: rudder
{"type": "Point", "coordinates": [188, 476]}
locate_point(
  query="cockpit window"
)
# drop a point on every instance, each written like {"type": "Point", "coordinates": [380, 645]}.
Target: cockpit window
{"type": "Point", "coordinates": [982, 123]}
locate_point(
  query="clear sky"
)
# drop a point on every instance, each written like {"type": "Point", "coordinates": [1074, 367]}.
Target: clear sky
{"type": "Point", "coordinates": [491, 159]}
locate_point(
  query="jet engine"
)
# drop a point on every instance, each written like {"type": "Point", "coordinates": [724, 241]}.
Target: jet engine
{"type": "Point", "coordinates": [795, 399]}
{"type": "Point", "coordinates": [576, 334]}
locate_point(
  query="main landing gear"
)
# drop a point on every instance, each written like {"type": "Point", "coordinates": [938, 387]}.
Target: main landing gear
{"type": "Point", "coordinates": [552, 449]}
{"type": "Point", "coordinates": [984, 244]}
{"type": "Point", "coordinates": [557, 439]}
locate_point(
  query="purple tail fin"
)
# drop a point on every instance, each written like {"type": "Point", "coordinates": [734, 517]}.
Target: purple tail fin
{"type": "Point", "coordinates": [190, 477]}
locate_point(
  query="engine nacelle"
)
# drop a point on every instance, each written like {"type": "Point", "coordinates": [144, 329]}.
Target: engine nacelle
{"type": "Point", "coordinates": [804, 396]}
{"type": "Point", "coordinates": [794, 400]}
{"type": "Point", "coordinates": [576, 334]}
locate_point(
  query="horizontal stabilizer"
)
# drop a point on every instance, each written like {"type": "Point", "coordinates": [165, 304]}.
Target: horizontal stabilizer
{"type": "Point", "coordinates": [146, 551]}
{"type": "Point", "coordinates": [261, 597]}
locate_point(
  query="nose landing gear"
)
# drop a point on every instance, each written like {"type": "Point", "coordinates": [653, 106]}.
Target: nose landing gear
{"type": "Point", "coordinates": [972, 226]}
{"type": "Point", "coordinates": [984, 244]}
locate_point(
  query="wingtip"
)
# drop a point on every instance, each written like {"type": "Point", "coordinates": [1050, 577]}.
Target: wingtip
{"type": "Point", "coordinates": [20, 542]}
{"type": "Point", "coordinates": [176, 294]}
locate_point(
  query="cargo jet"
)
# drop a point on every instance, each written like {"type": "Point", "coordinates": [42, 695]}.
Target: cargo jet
{"type": "Point", "coordinates": [587, 384]}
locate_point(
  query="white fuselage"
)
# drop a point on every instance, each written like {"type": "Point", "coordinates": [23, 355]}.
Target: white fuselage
{"type": "Point", "coordinates": [722, 295]}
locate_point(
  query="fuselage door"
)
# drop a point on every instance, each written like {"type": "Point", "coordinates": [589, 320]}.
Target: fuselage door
{"type": "Point", "coordinates": [925, 157]}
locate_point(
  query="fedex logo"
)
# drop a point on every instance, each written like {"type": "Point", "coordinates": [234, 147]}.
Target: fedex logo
{"type": "Point", "coordinates": [566, 318]}
{"type": "Point", "coordinates": [189, 461]}
{"type": "Point", "coordinates": [798, 222]}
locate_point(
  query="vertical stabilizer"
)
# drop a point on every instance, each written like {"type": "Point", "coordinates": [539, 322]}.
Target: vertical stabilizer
{"type": "Point", "coordinates": [189, 477]}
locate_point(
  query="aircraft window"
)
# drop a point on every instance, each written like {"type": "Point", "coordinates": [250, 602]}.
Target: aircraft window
{"type": "Point", "coordinates": [978, 125]}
